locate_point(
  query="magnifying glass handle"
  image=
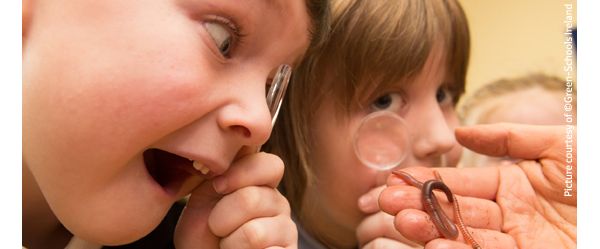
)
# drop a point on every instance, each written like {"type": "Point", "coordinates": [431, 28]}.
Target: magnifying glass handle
{"type": "Point", "coordinates": [274, 99]}
{"type": "Point", "coordinates": [278, 90]}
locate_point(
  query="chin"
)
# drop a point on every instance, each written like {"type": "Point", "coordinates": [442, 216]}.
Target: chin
{"type": "Point", "coordinates": [117, 234]}
{"type": "Point", "coordinates": [124, 227]}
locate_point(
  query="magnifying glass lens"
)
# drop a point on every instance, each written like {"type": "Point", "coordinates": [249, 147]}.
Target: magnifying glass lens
{"type": "Point", "coordinates": [381, 141]}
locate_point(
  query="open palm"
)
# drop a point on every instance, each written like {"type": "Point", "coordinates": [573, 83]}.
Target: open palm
{"type": "Point", "coordinates": [523, 204]}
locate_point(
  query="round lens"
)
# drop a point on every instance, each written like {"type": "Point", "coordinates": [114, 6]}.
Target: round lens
{"type": "Point", "coordinates": [382, 140]}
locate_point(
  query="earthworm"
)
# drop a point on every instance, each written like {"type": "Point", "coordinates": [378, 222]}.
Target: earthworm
{"type": "Point", "coordinates": [443, 224]}
{"type": "Point", "coordinates": [461, 224]}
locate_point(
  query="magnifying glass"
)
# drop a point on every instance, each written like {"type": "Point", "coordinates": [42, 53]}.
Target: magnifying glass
{"type": "Point", "coordinates": [277, 90]}
{"type": "Point", "coordinates": [381, 141]}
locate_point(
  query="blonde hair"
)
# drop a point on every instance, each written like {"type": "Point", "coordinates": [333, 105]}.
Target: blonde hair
{"type": "Point", "coordinates": [473, 108]}
{"type": "Point", "coordinates": [481, 105]}
{"type": "Point", "coordinates": [373, 44]}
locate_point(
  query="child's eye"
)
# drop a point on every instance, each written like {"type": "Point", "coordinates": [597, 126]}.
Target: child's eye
{"type": "Point", "coordinates": [390, 101]}
{"type": "Point", "coordinates": [443, 96]}
{"type": "Point", "coordinates": [223, 32]}
{"type": "Point", "coordinates": [221, 36]}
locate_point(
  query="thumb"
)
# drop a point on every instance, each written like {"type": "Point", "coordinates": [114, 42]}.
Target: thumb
{"type": "Point", "coordinates": [26, 16]}
{"type": "Point", "coordinates": [192, 230]}
{"type": "Point", "coordinates": [516, 140]}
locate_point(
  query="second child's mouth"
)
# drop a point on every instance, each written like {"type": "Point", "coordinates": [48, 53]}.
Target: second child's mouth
{"type": "Point", "coordinates": [169, 170]}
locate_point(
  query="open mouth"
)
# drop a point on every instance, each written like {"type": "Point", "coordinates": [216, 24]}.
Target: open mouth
{"type": "Point", "coordinates": [169, 170]}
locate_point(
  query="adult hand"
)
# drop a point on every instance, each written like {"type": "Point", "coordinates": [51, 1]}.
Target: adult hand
{"type": "Point", "coordinates": [246, 212]}
{"type": "Point", "coordinates": [530, 204]}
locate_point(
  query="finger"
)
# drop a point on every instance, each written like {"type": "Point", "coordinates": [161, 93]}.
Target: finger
{"type": "Point", "coordinates": [397, 198]}
{"type": "Point", "coordinates": [385, 243]}
{"type": "Point", "coordinates": [192, 229]}
{"type": "Point", "coordinates": [417, 226]}
{"type": "Point", "coordinates": [243, 205]}
{"type": "Point", "coordinates": [514, 140]}
{"type": "Point", "coordinates": [446, 244]}
{"type": "Point", "coordinates": [475, 212]}
{"type": "Point", "coordinates": [368, 203]}
{"type": "Point", "coordinates": [481, 182]}
{"type": "Point", "coordinates": [259, 169]}
{"type": "Point", "coordinates": [485, 239]}
{"type": "Point", "coordinates": [377, 226]}
{"type": "Point", "coordinates": [263, 232]}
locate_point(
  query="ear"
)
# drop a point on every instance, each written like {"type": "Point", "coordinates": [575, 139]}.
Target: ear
{"type": "Point", "coordinates": [26, 18]}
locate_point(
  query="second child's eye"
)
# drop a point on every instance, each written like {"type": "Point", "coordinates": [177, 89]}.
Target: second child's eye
{"type": "Point", "coordinates": [390, 102]}
{"type": "Point", "coordinates": [383, 102]}
{"type": "Point", "coordinates": [221, 35]}
{"type": "Point", "coordinates": [443, 96]}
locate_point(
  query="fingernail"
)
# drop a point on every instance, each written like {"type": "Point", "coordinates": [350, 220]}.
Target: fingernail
{"type": "Point", "coordinates": [220, 184]}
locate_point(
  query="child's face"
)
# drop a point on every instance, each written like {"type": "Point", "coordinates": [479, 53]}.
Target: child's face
{"type": "Point", "coordinates": [427, 108]}
{"type": "Point", "coordinates": [536, 106]}
{"type": "Point", "coordinates": [117, 93]}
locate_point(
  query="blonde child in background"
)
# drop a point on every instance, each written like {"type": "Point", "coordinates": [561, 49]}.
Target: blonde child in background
{"type": "Point", "coordinates": [405, 57]}
{"type": "Point", "coordinates": [536, 99]}
{"type": "Point", "coordinates": [128, 106]}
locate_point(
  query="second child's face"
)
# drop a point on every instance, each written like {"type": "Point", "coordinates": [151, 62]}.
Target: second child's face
{"type": "Point", "coordinates": [118, 95]}
{"type": "Point", "coordinates": [426, 106]}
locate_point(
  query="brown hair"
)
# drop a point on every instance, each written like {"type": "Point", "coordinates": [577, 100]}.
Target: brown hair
{"type": "Point", "coordinates": [319, 12]}
{"type": "Point", "coordinates": [373, 44]}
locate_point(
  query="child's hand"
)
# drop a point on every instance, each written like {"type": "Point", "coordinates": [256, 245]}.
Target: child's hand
{"type": "Point", "coordinates": [377, 230]}
{"type": "Point", "coordinates": [248, 211]}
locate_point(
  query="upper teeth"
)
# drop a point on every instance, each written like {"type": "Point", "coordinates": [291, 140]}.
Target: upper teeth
{"type": "Point", "coordinates": [201, 167]}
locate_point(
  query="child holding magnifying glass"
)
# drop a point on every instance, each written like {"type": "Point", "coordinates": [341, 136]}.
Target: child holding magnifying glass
{"type": "Point", "coordinates": [407, 58]}
{"type": "Point", "coordinates": [128, 106]}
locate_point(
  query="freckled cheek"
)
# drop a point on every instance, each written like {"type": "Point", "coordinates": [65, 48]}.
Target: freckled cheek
{"type": "Point", "coordinates": [346, 184]}
{"type": "Point", "coordinates": [117, 119]}
{"type": "Point", "coordinates": [107, 103]}
{"type": "Point", "coordinates": [342, 201]}
{"type": "Point", "coordinates": [342, 172]}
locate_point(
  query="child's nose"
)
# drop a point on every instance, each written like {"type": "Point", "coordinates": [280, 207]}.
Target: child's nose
{"type": "Point", "coordinates": [248, 119]}
{"type": "Point", "coordinates": [434, 136]}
